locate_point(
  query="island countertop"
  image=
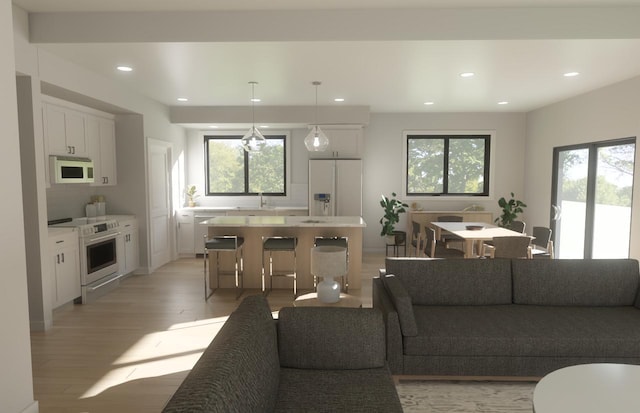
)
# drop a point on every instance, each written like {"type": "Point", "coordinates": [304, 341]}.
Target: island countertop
{"type": "Point", "coordinates": [285, 221]}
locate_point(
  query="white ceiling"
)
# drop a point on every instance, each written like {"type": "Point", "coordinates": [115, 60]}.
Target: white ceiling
{"type": "Point", "coordinates": [387, 75]}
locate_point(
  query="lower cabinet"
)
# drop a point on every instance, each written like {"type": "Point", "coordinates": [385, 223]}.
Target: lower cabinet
{"type": "Point", "coordinates": [65, 270]}
{"type": "Point", "coordinates": [185, 233]}
{"type": "Point", "coordinates": [129, 254]}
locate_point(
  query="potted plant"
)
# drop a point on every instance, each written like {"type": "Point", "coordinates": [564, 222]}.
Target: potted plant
{"type": "Point", "coordinates": [392, 209]}
{"type": "Point", "coordinates": [190, 191]}
{"type": "Point", "coordinates": [510, 211]}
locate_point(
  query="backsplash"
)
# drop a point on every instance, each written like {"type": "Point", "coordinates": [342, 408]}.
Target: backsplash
{"type": "Point", "coordinates": [68, 200]}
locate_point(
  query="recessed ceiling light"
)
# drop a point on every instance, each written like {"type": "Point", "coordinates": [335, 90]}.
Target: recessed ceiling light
{"type": "Point", "coordinates": [213, 126]}
{"type": "Point", "coordinates": [125, 68]}
{"type": "Point", "coordinates": [503, 102]}
{"type": "Point", "coordinates": [571, 74]}
{"type": "Point", "coordinates": [467, 74]}
{"type": "Point", "coordinates": [183, 100]}
{"type": "Point", "coordinates": [338, 100]}
{"type": "Point", "coordinates": [264, 126]}
{"type": "Point", "coordinates": [255, 100]}
{"type": "Point", "coordinates": [429, 103]}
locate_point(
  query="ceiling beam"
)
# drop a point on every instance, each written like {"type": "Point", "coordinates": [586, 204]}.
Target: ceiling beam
{"type": "Point", "coordinates": [337, 25]}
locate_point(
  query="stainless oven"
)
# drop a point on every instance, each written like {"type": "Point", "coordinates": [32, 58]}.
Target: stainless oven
{"type": "Point", "coordinates": [99, 266]}
{"type": "Point", "coordinates": [99, 261]}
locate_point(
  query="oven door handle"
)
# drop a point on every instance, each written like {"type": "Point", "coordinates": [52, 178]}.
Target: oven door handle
{"type": "Point", "coordinates": [112, 235]}
{"type": "Point", "coordinates": [92, 289]}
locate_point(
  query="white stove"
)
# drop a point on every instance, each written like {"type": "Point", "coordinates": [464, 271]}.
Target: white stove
{"type": "Point", "coordinates": [101, 243]}
{"type": "Point", "coordinates": [90, 226]}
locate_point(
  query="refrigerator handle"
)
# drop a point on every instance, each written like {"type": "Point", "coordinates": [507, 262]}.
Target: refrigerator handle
{"type": "Point", "coordinates": [334, 195]}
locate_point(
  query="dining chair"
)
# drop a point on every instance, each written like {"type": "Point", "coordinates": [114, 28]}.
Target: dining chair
{"type": "Point", "coordinates": [510, 247]}
{"type": "Point", "coordinates": [450, 240]}
{"type": "Point", "coordinates": [518, 226]}
{"type": "Point", "coordinates": [542, 246]}
{"type": "Point", "coordinates": [417, 240]}
{"type": "Point", "coordinates": [434, 249]}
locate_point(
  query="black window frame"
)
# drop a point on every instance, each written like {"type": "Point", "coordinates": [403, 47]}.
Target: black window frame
{"type": "Point", "coordinates": [445, 184]}
{"type": "Point", "coordinates": [208, 138]}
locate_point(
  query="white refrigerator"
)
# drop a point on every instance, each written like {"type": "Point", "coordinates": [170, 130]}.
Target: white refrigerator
{"type": "Point", "coordinates": [341, 180]}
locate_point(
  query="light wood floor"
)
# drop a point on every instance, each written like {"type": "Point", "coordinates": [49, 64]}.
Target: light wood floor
{"type": "Point", "coordinates": [130, 350]}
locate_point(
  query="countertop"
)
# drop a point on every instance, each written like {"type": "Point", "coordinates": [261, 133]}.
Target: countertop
{"type": "Point", "coordinates": [235, 208]}
{"type": "Point", "coordinates": [288, 221]}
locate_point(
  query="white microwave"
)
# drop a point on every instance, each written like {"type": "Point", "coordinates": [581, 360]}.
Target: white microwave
{"type": "Point", "coordinates": [71, 170]}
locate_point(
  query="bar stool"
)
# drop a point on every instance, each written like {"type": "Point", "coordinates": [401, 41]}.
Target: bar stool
{"type": "Point", "coordinates": [342, 242]}
{"type": "Point", "coordinates": [279, 244]}
{"type": "Point", "coordinates": [225, 243]}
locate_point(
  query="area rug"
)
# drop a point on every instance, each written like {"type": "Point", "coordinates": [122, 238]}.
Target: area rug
{"type": "Point", "coordinates": [466, 396]}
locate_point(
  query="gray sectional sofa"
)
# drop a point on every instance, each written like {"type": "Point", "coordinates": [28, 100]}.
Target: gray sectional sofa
{"type": "Point", "coordinates": [505, 317]}
{"type": "Point", "coordinates": [309, 360]}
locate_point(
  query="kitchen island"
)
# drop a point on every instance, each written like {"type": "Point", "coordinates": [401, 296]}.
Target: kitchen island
{"type": "Point", "coordinates": [306, 228]}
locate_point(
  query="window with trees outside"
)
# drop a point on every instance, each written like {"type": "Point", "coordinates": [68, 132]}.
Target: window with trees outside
{"type": "Point", "coordinates": [447, 164]}
{"type": "Point", "coordinates": [233, 171]}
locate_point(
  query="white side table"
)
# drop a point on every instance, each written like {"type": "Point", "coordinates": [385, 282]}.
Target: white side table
{"type": "Point", "coordinates": [589, 388]}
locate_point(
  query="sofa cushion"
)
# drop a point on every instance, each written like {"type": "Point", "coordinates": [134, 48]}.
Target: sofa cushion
{"type": "Point", "coordinates": [367, 390]}
{"type": "Point", "coordinates": [526, 330]}
{"type": "Point", "coordinates": [575, 282]}
{"type": "Point", "coordinates": [453, 282]}
{"type": "Point", "coordinates": [239, 371]}
{"type": "Point", "coordinates": [402, 302]}
{"type": "Point", "coordinates": [351, 338]}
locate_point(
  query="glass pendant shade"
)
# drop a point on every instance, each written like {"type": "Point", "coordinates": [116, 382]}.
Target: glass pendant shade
{"type": "Point", "coordinates": [316, 140]}
{"type": "Point", "coordinates": [253, 140]}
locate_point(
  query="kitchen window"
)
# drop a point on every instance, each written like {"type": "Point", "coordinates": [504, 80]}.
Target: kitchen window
{"type": "Point", "coordinates": [233, 171]}
{"type": "Point", "coordinates": [447, 164]}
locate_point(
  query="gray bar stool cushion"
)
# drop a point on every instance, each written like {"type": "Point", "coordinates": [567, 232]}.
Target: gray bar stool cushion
{"type": "Point", "coordinates": [223, 243]}
{"type": "Point", "coordinates": [279, 244]}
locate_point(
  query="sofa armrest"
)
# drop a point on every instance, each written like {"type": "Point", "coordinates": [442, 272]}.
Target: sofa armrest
{"type": "Point", "coordinates": [382, 302]}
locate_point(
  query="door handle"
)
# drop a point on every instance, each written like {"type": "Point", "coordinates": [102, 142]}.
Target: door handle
{"type": "Point", "coordinates": [557, 212]}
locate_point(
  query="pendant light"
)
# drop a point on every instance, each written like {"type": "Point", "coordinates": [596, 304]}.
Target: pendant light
{"type": "Point", "coordinates": [316, 140]}
{"type": "Point", "coordinates": [253, 140]}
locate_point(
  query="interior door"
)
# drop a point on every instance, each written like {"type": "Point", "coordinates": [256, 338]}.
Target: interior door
{"type": "Point", "coordinates": [592, 194]}
{"type": "Point", "coordinates": [158, 172]}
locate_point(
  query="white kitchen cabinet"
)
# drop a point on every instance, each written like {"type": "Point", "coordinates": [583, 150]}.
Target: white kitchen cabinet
{"type": "Point", "coordinates": [65, 131]}
{"type": "Point", "coordinates": [184, 219]}
{"type": "Point", "coordinates": [343, 143]}
{"type": "Point", "coordinates": [101, 139]}
{"type": "Point", "coordinates": [65, 268]}
{"type": "Point", "coordinates": [129, 256]}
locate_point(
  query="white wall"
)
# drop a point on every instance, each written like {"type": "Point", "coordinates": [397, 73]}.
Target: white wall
{"type": "Point", "coordinates": [298, 170]}
{"type": "Point", "coordinates": [138, 117]}
{"type": "Point", "coordinates": [16, 384]}
{"type": "Point", "coordinates": [383, 161]}
{"type": "Point", "coordinates": [382, 166]}
{"type": "Point", "coordinates": [608, 113]}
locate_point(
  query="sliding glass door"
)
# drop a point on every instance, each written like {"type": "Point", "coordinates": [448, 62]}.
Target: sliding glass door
{"type": "Point", "coordinates": [592, 192]}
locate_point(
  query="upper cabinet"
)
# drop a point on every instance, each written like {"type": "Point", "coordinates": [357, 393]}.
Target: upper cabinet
{"type": "Point", "coordinates": [343, 143]}
{"type": "Point", "coordinates": [69, 130]}
{"type": "Point", "coordinates": [65, 130]}
{"type": "Point", "coordinates": [102, 149]}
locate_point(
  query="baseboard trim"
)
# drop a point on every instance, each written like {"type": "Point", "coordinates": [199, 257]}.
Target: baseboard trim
{"type": "Point", "coordinates": [32, 408]}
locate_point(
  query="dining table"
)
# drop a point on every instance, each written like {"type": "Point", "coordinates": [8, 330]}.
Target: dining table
{"type": "Point", "coordinates": [474, 234]}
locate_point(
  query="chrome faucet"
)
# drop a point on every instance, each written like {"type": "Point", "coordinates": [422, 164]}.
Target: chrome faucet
{"type": "Point", "coordinates": [263, 202]}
